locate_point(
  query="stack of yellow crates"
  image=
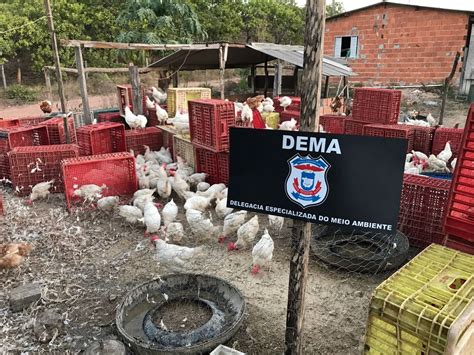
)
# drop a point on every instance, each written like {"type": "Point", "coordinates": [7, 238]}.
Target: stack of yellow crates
{"type": "Point", "coordinates": [272, 119]}
{"type": "Point", "coordinates": [427, 307]}
{"type": "Point", "coordinates": [178, 98]}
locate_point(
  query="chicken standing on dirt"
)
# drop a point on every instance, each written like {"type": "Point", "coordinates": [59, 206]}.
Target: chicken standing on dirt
{"type": "Point", "coordinates": [170, 211]}
{"type": "Point", "coordinates": [262, 252]}
{"type": "Point", "coordinates": [179, 185]}
{"type": "Point", "coordinates": [221, 208]}
{"type": "Point", "coordinates": [12, 254]}
{"type": "Point", "coordinates": [275, 223]}
{"type": "Point", "coordinates": [200, 226]}
{"type": "Point", "coordinates": [173, 256]}
{"type": "Point", "coordinates": [108, 204]}
{"type": "Point", "coordinates": [175, 232]}
{"type": "Point", "coordinates": [232, 223]}
{"type": "Point", "coordinates": [199, 203]}
{"type": "Point", "coordinates": [40, 191]}
{"type": "Point", "coordinates": [131, 214]}
{"type": "Point", "coordinates": [245, 235]}
{"type": "Point", "coordinates": [89, 193]}
{"type": "Point", "coordinates": [152, 218]}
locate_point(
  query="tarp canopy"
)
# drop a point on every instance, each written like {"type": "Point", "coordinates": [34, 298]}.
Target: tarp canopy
{"type": "Point", "coordinates": [245, 55]}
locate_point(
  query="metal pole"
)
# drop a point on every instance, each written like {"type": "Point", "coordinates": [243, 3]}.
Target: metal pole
{"type": "Point", "coordinates": [54, 46]}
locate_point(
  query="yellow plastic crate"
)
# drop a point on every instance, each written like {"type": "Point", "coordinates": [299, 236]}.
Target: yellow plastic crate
{"type": "Point", "coordinates": [178, 98]}
{"type": "Point", "coordinates": [183, 147]}
{"type": "Point", "coordinates": [272, 119]}
{"type": "Point", "coordinates": [424, 299]}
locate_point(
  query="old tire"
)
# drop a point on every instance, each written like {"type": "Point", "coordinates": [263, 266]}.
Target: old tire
{"type": "Point", "coordinates": [358, 251]}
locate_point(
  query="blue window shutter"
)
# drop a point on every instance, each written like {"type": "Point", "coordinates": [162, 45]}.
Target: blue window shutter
{"type": "Point", "coordinates": [337, 47]}
{"type": "Point", "coordinates": [354, 43]}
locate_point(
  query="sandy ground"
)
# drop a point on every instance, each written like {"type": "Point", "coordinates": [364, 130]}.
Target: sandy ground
{"type": "Point", "coordinates": [86, 261]}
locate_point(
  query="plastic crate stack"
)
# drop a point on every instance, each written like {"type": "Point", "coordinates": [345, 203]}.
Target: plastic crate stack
{"type": "Point", "coordinates": [125, 98]}
{"type": "Point", "coordinates": [459, 223]}
{"type": "Point", "coordinates": [391, 131]}
{"type": "Point", "coordinates": [19, 137]}
{"type": "Point", "coordinates": [178, 98]}
{"type": "Point", "coordinates": [30, 121]}
{"type": "Point", "coordinates": [423, 206]}
{"type": "Point", "coordinates": [425, 307]}
{"type": "Point", "coordinates": [354, 127]}
{"type": "Point", "coordinates": [137, 139]}
{"type": "Point", "coordinates": [443, 135]}
{"type": "Point", "coordinates": [423, 138]}
{"type": "Point", "coordinates": [56, 132]}
{"type": "Point", "coordinates": [289, 114]}
{"type": "Point", "coordinates": [332, 123]}
{"type": "Point", "coordinates": [109, 117]}
{"type": "Point", "coordinates": [9, 123]}
{"type": "Point", "coordinates": [32, 165]}
{"type": "Point", "coordinates": [101, 138]}
{"type": "Point", "coordinates": [116, 171]}
{"type": "Point", "coordinates": [183, 147]}
{"type": "Point", "coordinates": [209, 122]}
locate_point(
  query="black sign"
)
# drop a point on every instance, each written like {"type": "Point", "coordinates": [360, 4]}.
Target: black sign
{"type": "Point", "coordinates": [342, 180]}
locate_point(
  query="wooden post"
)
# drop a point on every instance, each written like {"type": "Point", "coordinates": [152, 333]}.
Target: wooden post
{"type": "Point", "coordinates": [18, 72]}
{"type": "Point", "coordinates": [446, 87]}
{"type": "Point", "coordinates": [326, 88]}
{"type": "Point", "coordinates": [265, 87]}
{"type": "Point", "coordinates": [47, 81]}
{"type": "Point", "coordinates": [310, 97]}
{"type": "Point", "coordinates": [223, 49]}
{"type": "Point", "coordinates": [176, 79]}
{"type": "Point", "coordinates": [81, 78]}
{"type": "Point", "coordinates": [295, 81]}
{"type": "Point", "coordinates": [54, 45]}
{"type": "Point", "coordinates": [277, 79]}
{"type": "Point", "coordinates": [136, 94]}
{"type": "Point", "coordinates": [4, 79]}
{"type": "Point", "coordinates": [253, 73]}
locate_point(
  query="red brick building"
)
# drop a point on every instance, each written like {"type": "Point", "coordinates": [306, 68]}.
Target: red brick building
{"type": "Point", "coordinates": [390, 42]}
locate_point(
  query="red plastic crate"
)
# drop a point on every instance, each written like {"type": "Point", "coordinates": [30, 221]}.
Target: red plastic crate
{"type": "Point", "coordinates": [460, 216]}
{"type": "Point", "coordinates": [116, 171]}
{"type": "Point", "coordinates": [209, 122]}
{"type": "Point", "coordinates": [101, 138]}
{"type": "Point", "coordinates": [32, 165]}
{"type": "Point", "coordinates": [376, 105]}
{"type": "Point", "coordinates": [9, 123]}
{"type": "Point", "coordinates": [442, 135]}
{"type": "Point", "coordinates": [294, 106]}
{"type": "Point", "coordinates": [215, 165]}
{"type": "Point", "coordinates": [289, 114]}
{"type": "Point", "coordinates": [109, 117]}
{"type": "Point", "coordinates": [460, 244]}
{"type": "Point", "coordinates": [56, 132]}
{"type": "Point", "coordinates": [136, 139]}
{"type": "Point", "coordinates": [354, 127]}
{"type": "Point", "coordinates": [30, 121]}
{"type": "Point", "coordinates": [423, 206]}
{"type": "Point", "coordinates": [391, 131]}
{"type": "Point", "coordinates": [125, 98]}
{"type": "Point", "coordinates": [332, 123]}
{"type": "Point", "coordinates": [423, 139]}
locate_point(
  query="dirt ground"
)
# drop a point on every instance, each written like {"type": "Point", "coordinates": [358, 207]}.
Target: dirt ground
{"type": "Point", "coordinates": [86, 261]}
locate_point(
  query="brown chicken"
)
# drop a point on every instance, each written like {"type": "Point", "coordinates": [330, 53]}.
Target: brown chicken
{"type": "Point", "coordinates": [12, 254]}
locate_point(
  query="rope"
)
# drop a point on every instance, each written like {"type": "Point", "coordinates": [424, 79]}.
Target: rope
{"type": "Point", "coordinates": [182, 64]}
{"type": "Point", "coordinates": [24, 25]}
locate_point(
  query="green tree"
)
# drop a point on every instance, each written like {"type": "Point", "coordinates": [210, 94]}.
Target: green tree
{"type": "Point", "coordinates": [334, 8]}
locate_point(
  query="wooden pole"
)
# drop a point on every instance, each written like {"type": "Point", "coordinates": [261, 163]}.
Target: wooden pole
{"type": "Point", "coordinates": [54, 46]}
{"type": "Point", "coordinates": [176, 79]}
{"type": "Point", "coordinates": [18, 72]}
{"type": "Point", "coordinates": [326, 87]}
{"type": "Point", "coordinates": [4, 79]}
{"type": "Point", "coordinates": [223, 49]}
{"type": "Point", "coordinates": [446, 86]}
{"type": "Point", "coordinates": [136, 94]}
{"type": "Point", "coordinates": [310, 96]}
{"type": "Point", "coordinates": [295, 81]}
{"type": "Point", "coordinates": [277, 79]}
{"type": "Point", "coordinates": [81, 78]}
{"type": "Point", "coordinates": [265, 87]}
{"type": "Point", "coordinates": [47, 81]}
{"type": "Point", "coordinates": [253, 71]}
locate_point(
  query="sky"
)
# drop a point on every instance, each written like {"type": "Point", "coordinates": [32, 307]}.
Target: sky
{"type": "Point", "coordinates": [354, 4]}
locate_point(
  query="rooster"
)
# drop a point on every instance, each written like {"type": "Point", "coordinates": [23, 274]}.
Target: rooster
{"type": "Point", "coordinates": [40, 191]}
{"type": "Point", "coordinates": [262, 252]}
{"type": "Point", "coordinates": [173, 256]}
{"type": "Point", "coordinates": [161, 114]}
{"type": "Point", "coordinates": [12, 254]}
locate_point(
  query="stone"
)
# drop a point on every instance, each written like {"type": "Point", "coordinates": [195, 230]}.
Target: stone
{"type": "Point", "coordinates": [47, 324]}
{"type": "Point", "coordinates": [22, 296]}
{"type": "Point", "coordinates": [359, 294]}
{"type": "Point", "coordinates": [106, 347]}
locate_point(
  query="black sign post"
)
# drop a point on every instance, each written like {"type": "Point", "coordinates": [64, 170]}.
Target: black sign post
{"type": "Point", "coordinates": [346, 181]}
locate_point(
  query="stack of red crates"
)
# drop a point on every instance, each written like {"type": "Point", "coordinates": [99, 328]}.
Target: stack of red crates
{"type": "Point", "coordinates": [19, 137]}
{"type": "Point", "coordinates": [137, 139]}
{"type": "Point", "coordinates": [354, 127]}
{"type": "Point", "coordinates": [9, 123]}
{"type": "Point", "coordinates": [101, 138]}
{"type": "Point", "coordinates": [289, 114]}
{"type": "Point", "coordinates": [56, 132]}
{"type": "Point", "coordinates": [294, 106]}
{"type": "Point", "coordinates": [423, 138]}
{"type": "Point", "coordinates": [116, 171]}
{"type": "Point", "coordinates": [391, 131]}
{"type": "Point", "coordinates": [32, 165]}
{"type": "Point", "coordinates": [209, 122]}
{"type": "Point", "coordinates": [332, 123]}
{"type": "Point", "coordinates": [109, 117]}
{"type": "Point", "coordinates": [30, 121]}
{"type": "Point", "coordinates": [376, 105]}
{"type": "Point", "coordinates": [443, 135]}
{"type": "Point", "coordinates": [459, 223]}
{"type": "Point", "coordinates": [423, 206]}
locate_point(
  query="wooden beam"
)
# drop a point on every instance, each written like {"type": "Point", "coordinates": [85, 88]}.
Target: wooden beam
{"type": "Point", "coordinates": [4, 79]}
{"type": "Point", "coordinates": [310, 97]}
{"type": "Point", "coordinates": [446, 86]}
{"type": "Point", "coordinates": [101, 70]}
{"type": "Point", "coordinates": [138, 46]}
{"type": "Point", "coordinates": [176, 79]}
{"type": "Point", "coordinates": [83, 85]}
{"type": "Point", "coordinates": [47, 81]}
{"type": "Point", "coordinates": [277, 78]}
{"type": "Point", "coordinates": [136, 92]}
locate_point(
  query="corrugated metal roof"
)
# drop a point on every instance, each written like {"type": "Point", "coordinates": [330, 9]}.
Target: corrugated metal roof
{"type": "Point", "coordinates": [241, 56]}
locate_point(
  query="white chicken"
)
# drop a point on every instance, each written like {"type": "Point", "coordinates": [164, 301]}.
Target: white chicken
{"type": "Point", "coordinates": [275, 223]}
{"type": "Point", "coordinates": [238, 106]}
{"type": "Point", "coordinates": [436, 165]}
{"type": "Point", "coordinates": [40, 191]}
{"type": "Point", "coordinates": [142, 200]}
{"type": "Point", "coordinates": [232, 223]}
{"type": "Point", "coordinates": [175, 232]}
{"type": "Point", "coordinates": [163, 187]}
{"type": "Point", "coordinates": [246, 114]}
{"type": "Point", "coordinates": [262, 252]}
{"type": "Point", "coordinates": [108, 204]}
{"type": "Point", "coordinates": [158, 95]}
{"type": "Point", "coordinates": [169, 212]}
{"type": "Point", "coordinates": [221, 208]}
{"type": "Point", "coordinates": [179, 185]}
{"type": "Point", "coordinates": [213, 192]}
{"type": "Point", "coordinates": [183, 169]}
{"type": "Point", "coordinates": [290, 125]}
{"type": "Point", "coordinates": [181, 123]}
{"type": "Point", "coordinates": [161, 114]}
{"type": "Point", "coordinates": [419, 156]}
{"type": "Point", "coordinates": [200, 226]}
{"type": "Point", "coordinates": [152, 218]}
{"type": "Point", "coordinates": [285, 101]}
{"type": "Point", "coordinates": [89, 192]}
{"type": "Point", "coordinates": [196, 178]}
{"type": "Point", "coordinates": [431, 120]}
{"type": "Point", "coordinates": [150, 104]}
{"type": "Point", "coordinates": [268, 105]}
{"type": "Point", "coordinates": [164, 156]}
{"type": "Point", "coordinates": [134, 121]}
{"type": "Point", "coordinates": [143, 192]}
{"type": "Point", "coordinates": [131, 214]}
{"type": "Point", "coordinates": [446, 153]}
{"type": "Point", "coordinates": [173, 256]}
{"type": "Point", "coordinates": [203, 186]}
{"type": "Point", "coordinates": [199, 203]}
{"type": "Point", "coordinates": [245, 235]}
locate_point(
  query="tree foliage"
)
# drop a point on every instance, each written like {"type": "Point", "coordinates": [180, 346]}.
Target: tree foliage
{"type": "Point", "coordinates": [333, 9]}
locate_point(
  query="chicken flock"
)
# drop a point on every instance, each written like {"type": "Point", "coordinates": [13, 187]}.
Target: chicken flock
{"type": "Point", "coordinates": [418, 162]}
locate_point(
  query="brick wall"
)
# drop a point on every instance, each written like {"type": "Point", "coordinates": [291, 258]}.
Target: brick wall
{"type": "Point", "coordinates": [400, 44]}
